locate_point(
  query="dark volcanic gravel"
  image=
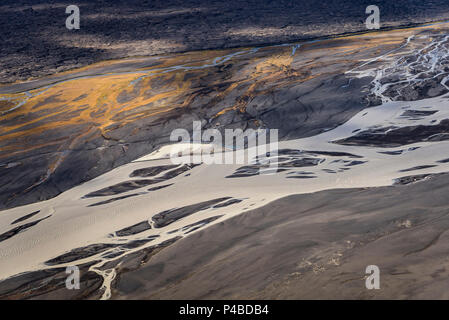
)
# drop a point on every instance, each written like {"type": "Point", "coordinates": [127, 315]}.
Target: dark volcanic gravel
{"type": "Point", "coordinates": [35, 41]}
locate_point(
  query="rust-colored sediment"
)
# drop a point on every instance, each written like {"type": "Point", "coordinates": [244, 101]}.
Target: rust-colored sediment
{"type": "Point", "coordinates": [101, 102]}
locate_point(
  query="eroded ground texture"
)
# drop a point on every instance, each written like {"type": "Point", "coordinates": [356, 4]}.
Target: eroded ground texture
{"type": "Point", "coordinates": [311, 247]}
{"type": "Point", "coordinates": [35, 41]}
{"type": "Point", "coordinates": [360, 173]}
{"type": "Point", "coordinates": [57, 133]}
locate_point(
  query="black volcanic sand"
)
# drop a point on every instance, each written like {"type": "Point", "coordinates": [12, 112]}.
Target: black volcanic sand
{"type": "Point", "coordinates": [167, 217]}
{"type": "Point", "coordinates": [134, 229]}
{"type": "Point", "coordinates": [35, 41]}
{"type": "Point", "coordinates": [391, 137]}
{"type": "Point", "coordinates": [136, 184]}
{"type": "Point", "coordinates": [290, 101]}
{"type": "Point", "coordinates": [312, 246]}
{"type": "Point", "coordinates": [50, 283]}
{"type": "Point", "coordinates": [11, 233]}
{"type": "Point", "coordinates": [290, 159]}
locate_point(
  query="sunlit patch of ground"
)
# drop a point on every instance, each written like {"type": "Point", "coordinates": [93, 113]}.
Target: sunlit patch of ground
{"type": "Point", "coordinates": [111, 100]}
{"type": "Point", "coordinates": [64, 136]}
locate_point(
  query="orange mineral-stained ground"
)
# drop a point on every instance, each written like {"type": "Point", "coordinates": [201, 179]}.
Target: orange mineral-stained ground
{"type": "Point", "coordinates": [112, 112]}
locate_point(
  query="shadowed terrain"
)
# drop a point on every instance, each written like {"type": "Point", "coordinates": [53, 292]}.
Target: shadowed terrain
{"type": "Point", "coordinates": [35, 41]}
{"type": "Point", "coordinates": [358, 177]}
{"type": "Point", "coordinates": [63, 130]}
{"type": "Point", "coordinates": [313, 246]}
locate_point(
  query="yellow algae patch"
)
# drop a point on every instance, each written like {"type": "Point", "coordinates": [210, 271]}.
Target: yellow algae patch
{"type": "Point", "coordinates": [276, 62]}
{"type": "Point", "coordinates": [100, 101]}
{"type": "Point", "coordinates": [6, 105]}
{"type": "Point", "coordinates": [93, 100]}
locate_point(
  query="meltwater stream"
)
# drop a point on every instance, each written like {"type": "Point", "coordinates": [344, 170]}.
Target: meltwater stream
{"type": "Point", "coordinates": [396, 142]}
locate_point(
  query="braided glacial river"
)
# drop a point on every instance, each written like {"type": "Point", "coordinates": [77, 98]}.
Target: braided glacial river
{"type": "Point", "coordinates": [149, 201]}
